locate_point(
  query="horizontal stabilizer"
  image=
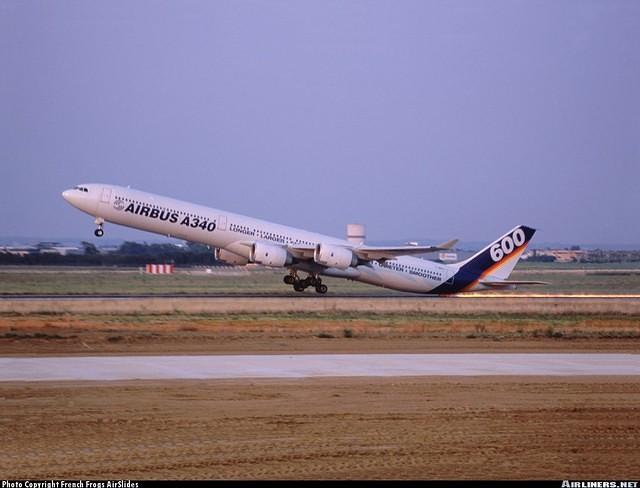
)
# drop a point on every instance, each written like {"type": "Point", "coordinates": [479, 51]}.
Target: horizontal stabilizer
{"type": "Point", "coordinates": [510, 283]}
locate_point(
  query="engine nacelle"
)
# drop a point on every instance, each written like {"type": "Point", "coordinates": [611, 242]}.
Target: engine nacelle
{"type": "Point", "coordinates": [269, 255]}
{"type": "Point", "coordinates": [229, 257]}
{"type": "Point", "coordinates": [334, 256]}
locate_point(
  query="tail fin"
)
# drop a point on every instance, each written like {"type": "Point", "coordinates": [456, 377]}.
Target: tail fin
{"type": "Point", "coordinates": [498, 259]}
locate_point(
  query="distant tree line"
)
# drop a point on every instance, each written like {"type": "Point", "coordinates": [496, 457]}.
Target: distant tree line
{"type": "Point", "coordinates": [128, 254]}
{"type": "Point", "coordinates": [541, 258]}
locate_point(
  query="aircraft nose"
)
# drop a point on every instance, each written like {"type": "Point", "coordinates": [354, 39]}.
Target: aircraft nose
{"type": "Point", "coordinates": [72, 197]}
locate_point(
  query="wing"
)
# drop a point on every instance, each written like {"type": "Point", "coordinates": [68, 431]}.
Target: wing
{"type": "Point", "coordinates": [303, 253]}
{"type": "Point", "coordinates": [364, 253]}
{"type": "Point", "coordinates": [377, 253]}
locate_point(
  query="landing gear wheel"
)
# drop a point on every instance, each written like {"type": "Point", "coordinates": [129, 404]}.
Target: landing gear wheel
{"type": "Point", "coordinates": [322, 289]}
{"type": "Point", "coordinates": [298, 286]}
{"type": "Point", "coordinates": [98, 232]}
{"type": "Point", "coordinates": [289, 280]}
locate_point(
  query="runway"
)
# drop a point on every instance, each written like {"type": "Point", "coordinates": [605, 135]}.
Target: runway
{"type": "Point", "coordinates": [297, 296]}
{"type": "Point", "coordinates": [109, 368]}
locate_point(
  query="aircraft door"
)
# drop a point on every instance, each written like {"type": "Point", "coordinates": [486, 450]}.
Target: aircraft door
{"type": "Point", "coordinates": [106, 195]}
{"type": "Point", "coordinates": [222, 222]}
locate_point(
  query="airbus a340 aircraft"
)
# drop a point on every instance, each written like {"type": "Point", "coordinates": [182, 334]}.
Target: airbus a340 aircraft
{"type": "Point", "coordinates": [240, 240]}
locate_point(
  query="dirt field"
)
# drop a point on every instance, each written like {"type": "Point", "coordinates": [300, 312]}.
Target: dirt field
{"type": "Point", "coordinates": [529, 428]}
{"type": "Point", "coordinates": [481, 304]}
{"type": "Point", "coordinates": [63, 334]}
{"type": "Point", "coordinates": [369, 428]}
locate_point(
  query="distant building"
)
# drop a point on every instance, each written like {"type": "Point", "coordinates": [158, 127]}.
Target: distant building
{"type": "Point", "coordinates": [108, 249]}
{"type": "Point", "coordinates": [19, 250]}
{"type": "Point", "coordinates": [561, 255]}
{"type": "Point", "coordinates": [57, 248]}
{"type": "Point", "coordinates": [448, 257]}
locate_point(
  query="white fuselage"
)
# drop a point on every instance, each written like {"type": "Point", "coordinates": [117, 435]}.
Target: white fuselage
{"type": "Point", "coordinates": [234, 233]}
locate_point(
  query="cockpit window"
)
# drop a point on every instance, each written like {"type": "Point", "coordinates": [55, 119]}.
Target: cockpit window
{"type": "Point", "coordinates": [81, 188]}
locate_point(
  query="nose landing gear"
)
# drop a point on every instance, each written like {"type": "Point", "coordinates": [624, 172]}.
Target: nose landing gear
{"type": "Point", "coordinates": [99, 232]}
{"type": "Point", "coordinates": [302, 284]}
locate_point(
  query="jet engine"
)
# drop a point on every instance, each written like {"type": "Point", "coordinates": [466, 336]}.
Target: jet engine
{"type": "Point", "coordinates": [229, 257]}
{"type": "Point", "coordinates": [269, 255]}
{"type": "Point", "coordinates": [334, 256]}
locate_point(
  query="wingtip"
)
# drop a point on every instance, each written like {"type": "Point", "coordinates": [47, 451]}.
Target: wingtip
{"type": "Point", "coordinates": [448, 244]}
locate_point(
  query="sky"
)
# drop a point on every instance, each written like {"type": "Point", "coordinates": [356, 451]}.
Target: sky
{"type": "Point", "coordinates": [431, 119]}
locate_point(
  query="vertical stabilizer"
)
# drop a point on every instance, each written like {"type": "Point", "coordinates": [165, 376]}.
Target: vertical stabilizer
{"type": "Point", "coordinates": [500, 257]}
{"type": "Point", "coordinates": [493, 263]}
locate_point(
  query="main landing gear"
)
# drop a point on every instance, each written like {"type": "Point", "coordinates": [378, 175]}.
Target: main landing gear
{"type": "Point", "coordinates": [303, 284]}
{"type": "Point", "coordinates": [99, 232]}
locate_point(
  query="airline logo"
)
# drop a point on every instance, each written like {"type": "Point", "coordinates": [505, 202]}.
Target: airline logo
{"type": "Point", "coordinates": [166, 215]}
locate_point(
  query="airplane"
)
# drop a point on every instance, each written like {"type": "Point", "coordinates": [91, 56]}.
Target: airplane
{"type": "Point", "coordinates": [240, 240]}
